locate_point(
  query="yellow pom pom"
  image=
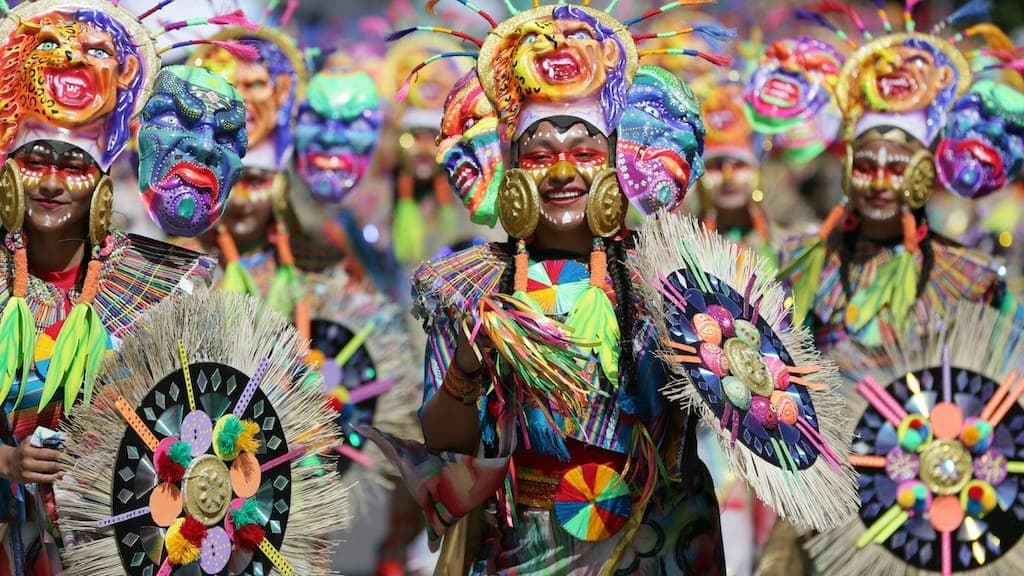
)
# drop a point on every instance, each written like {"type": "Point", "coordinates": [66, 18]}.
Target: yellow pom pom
{"type": "Point", "coordinates": [179, 550]}
{"type": "Point", "coordinates": [970, 436]}
{"type": "Point", "coordinates": [247, 439]}
{"type": "Point", "coordinates": [906, 499]}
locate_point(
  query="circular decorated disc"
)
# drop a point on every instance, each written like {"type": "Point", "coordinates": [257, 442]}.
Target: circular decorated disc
{"type": "Point", "coordinates": [208, 485]}
{"type": "Point", "coordinates": [741, 371]}
{"type": "Point", "coordinates": [330, 338]}
{"type": "Point", "coordinates": [931, 464]}
{"type": "Point", "coordinates": [592, 502]}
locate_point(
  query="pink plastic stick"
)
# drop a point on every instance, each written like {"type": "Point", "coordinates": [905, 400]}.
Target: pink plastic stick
{"type": "Point", "coordinates": [354, 455]}
{"type": "Point", "coordinates": [947, 554]}
{"type": "Point", "coordinates": [286, 457]}
{"type": "Point", "coordinates": [370, 390]}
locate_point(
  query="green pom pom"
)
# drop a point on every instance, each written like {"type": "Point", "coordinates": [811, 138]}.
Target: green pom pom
{"type": "Point", "coordinates": [181, 452]}
{"type": "Point", "coordinates": [247, 514]}
{"type": "Point", "coordinates": [230, 428]}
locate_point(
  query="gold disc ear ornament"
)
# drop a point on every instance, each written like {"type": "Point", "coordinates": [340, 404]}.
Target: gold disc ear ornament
{"type": "Point", "coordinates": [518, 203]}
{"type": "Point", "coordinates": [606, 204]}
{"type": "Point", "coordinates": [920, 179]}
{"type": "Point", "coordinates": [101, 210]}
{"type": "Point", "coordinates": [12, 197]}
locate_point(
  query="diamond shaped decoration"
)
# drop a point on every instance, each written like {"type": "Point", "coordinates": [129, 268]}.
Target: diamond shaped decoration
{"type": "Point", "coordinates": [280, 482]}
{"type": "Point", "coordinates": [150, 415]}
{"type": "Point", "coordinates": [215, 379]}
{"type": "Point", "coordinates": [148, 570]}
{"type": "Point", "coordinates": [174, 391]}
{"type": "Point", "coordinates": [275, 526]}
{"type": "Point", "coordinates": [202, 382]}
{"type": "Point", "coordinates": [257, 409]}
{"type": "Point", "coordinates": [130, 539]}
{"type": "Point", "coordinates": [274, 442]}
{"type": "Point", "coordinates": [160, 399]}
{"type": "Point", "coordinates": [137, 559]}
{"type": "Point", "coordinates": [125, 495]}
{"type": "Point", "coordinates": [269, 422]}
{"type": "Point", "coordinates": [133, 453]}
{"type": "Point", "coordinates": [232, 384]}
{"type": "Point", "coordinates": [281, 506]}
{"type": "Point", "coordinates": [126, 473]}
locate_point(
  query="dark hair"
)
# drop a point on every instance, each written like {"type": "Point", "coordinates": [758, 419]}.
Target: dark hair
{"type": "Point", "coordinates": [848, 243]}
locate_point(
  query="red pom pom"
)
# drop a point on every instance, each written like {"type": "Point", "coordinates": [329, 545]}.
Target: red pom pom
{"type": "Point", "coordinates": [916, 424]}
{"type": "Point", "coordinates": [975, 493]}
{"type": "Point", "coordinates": [193, 531]}
{"type": "Point", "coordinates": [168, 470]}
{"type": "Point", "coordinates": [249, 536]}
{"type": "Point", "coordinates": [334, 403]}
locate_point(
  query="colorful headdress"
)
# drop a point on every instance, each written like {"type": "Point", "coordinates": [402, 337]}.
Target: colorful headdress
{"type": "Point", "coordinates": [270, 146]}
{"type": "Point", "coordinates": [337, 131]}
{"type": "Point", "coordinates": [79, 71]}
{"type": "Point", "coordinates": [61, 89]}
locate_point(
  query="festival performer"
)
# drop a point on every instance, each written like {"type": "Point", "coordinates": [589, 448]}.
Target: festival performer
{"type": "Point", "coordinates": [549, 449]}
{"type": "Point", "coordinates": [875, 271]}
{"type": "Point", "coordinates": [253, 240]}
{"type": "Point", "coordinates": [71, 287]}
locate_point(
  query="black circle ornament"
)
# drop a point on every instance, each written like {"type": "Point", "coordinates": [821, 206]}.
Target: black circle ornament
{"type": "Point", "coordinates": [724, 331]}
{"type": "Point", "coordinates": [217, 390]}
{"type": "Point", "coordinates": [195, 454]}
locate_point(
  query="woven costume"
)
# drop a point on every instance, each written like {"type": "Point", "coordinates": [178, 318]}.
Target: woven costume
{"type": "Point", "coordinates": [585, 466]}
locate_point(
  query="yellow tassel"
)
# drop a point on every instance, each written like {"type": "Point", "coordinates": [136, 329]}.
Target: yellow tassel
{"type": "Point", "coordinates": [179, 550]}
{"type": "Point", "coordinates": [247, 441]}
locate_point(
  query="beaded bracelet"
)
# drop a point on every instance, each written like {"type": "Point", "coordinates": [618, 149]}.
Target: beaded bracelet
{"type": "Point", "coordinates": [464, 388]}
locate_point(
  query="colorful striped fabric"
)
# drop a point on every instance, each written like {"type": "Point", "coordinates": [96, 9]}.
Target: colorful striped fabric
{"type": "Point", "coordinates": [957, 274]}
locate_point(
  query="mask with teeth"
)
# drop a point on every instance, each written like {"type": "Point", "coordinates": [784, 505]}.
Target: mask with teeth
{"type": "Point", "coordinates": [983, 145]}
{"type": "Point", "coordinates": [337, 132]}
{"type": "Point", "coordinates": [469, 150]}
{"type": "Point", "coordinates": [792, 83]}
{"type": "Point", "coordinates": [659, 141]}
{"type": "Point", "coordinates": [191, 140]}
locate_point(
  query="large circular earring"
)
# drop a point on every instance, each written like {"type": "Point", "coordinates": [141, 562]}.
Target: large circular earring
{"type": "Point", "coordinates": [101, 210]}
{"type": "Point", "coordinates": [920, 179]}
{"type": "Point", "coordinates": [847, 174]}
{"type": "Point", "coordinates": [12, 197]}
{"type": "Point", "coordinates": [606, 204]}
{"type": "Point", "coordinates": [518, 203]}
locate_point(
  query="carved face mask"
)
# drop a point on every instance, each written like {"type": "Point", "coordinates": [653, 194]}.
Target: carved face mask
{"type": "Point", "coordinates": [983, 143]}
{"type": "Point", "coordinates": [337, 132]}
{"type": "Point", "coordinates": [469, 150]}
{"type": "Point", "coordinates": [659, 141]}
{"type": "Point", "coordinates": [191, 141]}
{"type": "Point", "coordinates": [792, 83]}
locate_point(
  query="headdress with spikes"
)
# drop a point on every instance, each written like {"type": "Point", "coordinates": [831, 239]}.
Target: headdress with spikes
{"type": "Point", "coordinates": [598, 93]}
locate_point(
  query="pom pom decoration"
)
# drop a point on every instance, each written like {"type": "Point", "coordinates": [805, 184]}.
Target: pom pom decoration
{"type": "Point", "coordinates": [195, 359]}
{"type": "Point", "coordinates": [940, 420]}
{"type": "Point", "coordinates": [789, 450]}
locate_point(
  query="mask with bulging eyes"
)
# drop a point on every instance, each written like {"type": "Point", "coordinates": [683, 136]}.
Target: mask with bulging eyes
{"type": "Point", "coordinates": [191, 140]}
{"type": "Point", "coordinates": [660, 141]}
{"type": "Point", "coordinates": [982, 146]}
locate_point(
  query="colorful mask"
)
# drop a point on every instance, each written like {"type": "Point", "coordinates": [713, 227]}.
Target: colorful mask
{"type": "Point", "coordinates": [660, 141]}
{"type": "Point", "coordinates": [337, 132]}
{"type": "Point", "coordinates": [729, 132]}
{"type": "Point", "coordinates": [808, 139]}
{"type": "Point", "coordinates": [555, 60]}
{"type": "Point", "coordinates": [270, 87]}
{"type": "Point", "coordinates": [792, 83]}
{"type": "Point", "coordinates": [907, 80]}
{"type": "Point", "coordinates": [191, 141]}
{"type": "Point", "coordinates": [80, 70]}
{"type": "Point", "coordinates": [469, 150]}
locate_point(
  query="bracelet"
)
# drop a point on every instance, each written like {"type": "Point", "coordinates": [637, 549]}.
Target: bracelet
{"type": "Point", "coordinates": [463, 387]}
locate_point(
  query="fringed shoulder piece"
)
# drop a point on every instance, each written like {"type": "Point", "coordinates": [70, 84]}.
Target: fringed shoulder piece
{"type": "Point", "coordinates": [457, 281]}
{"type": "Point", "coordinates": [140, 272]}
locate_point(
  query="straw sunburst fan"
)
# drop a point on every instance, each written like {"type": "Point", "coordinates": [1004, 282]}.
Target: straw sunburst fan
{"type": "Point", "coordinates": [187, 460]}
{"type": "Point", "coordinates": [760, 383]}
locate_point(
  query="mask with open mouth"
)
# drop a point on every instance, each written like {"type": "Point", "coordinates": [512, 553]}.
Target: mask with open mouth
{"type": "Point", "coordinates": [469, 150]}
{"type": "Point", "coordinates": [982, 147]}
{"type": "Point", "coordinates": [191, 141]}
{"type": "Point", "coordinates": [337, 132]}
{"type": "Point", "coordinates": [659, 144]}
{"type": "Point", "coordinates": [791, 84]}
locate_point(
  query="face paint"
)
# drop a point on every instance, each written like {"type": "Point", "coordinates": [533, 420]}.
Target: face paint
{"type": "Point", "coordinates": [337, 132]}
{"type": "Point", "coordinates": [877, 176]}
{"type": "Point", "coordinates": [563, 164]}
{"type": "Point", "coordinates": [191, 141]}
{"type": "Point", "coordinates": [983, 143]}
{"type": "Point", "coordinates": [469, 150]}
{"type": "Point", "coordinates": [250, 207]}
{"type": "Point", "coordinates": [729, 182]}
{"type": "Point", "coordinates": [58, 180]}
{"type": "Point", "coordinates": [658, 148]}
{"type": "Point", "coordinates": [792, 83]}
